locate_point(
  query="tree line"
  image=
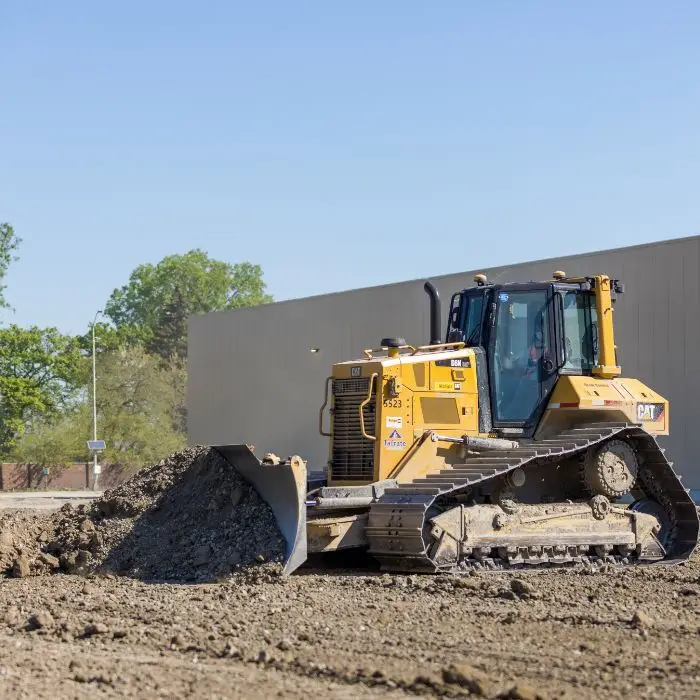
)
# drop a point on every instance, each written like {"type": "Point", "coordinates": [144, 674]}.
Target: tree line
{"type": "Point", "coordinates": [140, 356]}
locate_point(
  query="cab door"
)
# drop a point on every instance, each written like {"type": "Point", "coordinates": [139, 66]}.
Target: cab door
{"type": "Point", "coordinates": [522, 356]}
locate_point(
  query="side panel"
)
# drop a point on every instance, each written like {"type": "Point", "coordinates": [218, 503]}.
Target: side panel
{"type": "Point", "coordinates": [605, 399]}
{"type": "Point", "coordinates": [413, 393]}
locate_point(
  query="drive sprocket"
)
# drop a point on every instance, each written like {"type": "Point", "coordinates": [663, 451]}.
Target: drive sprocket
{"type": "Point", "coordinates": [611, 469]}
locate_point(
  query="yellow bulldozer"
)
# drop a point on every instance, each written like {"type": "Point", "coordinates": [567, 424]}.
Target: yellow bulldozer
{"type": "Point", "coordinates": [510, 441]}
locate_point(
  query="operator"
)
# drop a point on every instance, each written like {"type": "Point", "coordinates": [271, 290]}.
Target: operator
{"type": "Point", "coordinates": [536, 352]}
{"type": "Point", "coordinates": [526, 395]}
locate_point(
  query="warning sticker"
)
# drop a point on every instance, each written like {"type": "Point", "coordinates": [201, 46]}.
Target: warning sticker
{"type": "Point", "coordinates": [394, 422]}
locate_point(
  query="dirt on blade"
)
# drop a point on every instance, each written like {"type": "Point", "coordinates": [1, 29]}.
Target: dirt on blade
{"type": "Point", "coordinates": [190, 517]}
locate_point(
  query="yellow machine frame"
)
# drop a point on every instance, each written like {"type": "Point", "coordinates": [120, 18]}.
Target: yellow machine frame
{"type": "Point", "coordinates": [427, 397]}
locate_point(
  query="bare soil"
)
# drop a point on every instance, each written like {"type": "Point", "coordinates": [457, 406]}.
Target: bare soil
{"type": "Point", "coordinates": [165, 588]}
{"type": "Point", "coordinates": [340, 634]}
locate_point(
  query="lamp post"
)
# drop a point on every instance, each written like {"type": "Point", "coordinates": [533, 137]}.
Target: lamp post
{"type": "Point", "coordinates": [95, 467]}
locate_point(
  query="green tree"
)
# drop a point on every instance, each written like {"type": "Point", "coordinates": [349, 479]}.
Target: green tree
{"type": "Point", "coordinates": [41, 371]}
{"type": "Point", "coordinates": [138, 404]}
{"type": "Point", "coordinates": [158, 299]}
{"type": "Point", "coordinates": [138, 415]}
{"type": "Point", "coordinates": [8, 244]}
{"type": "Point", "coordinates": [109, 338]}
{"type": "Point", "coordinates": [55, 443]}
{"type": "Point", "coordinates": [175, 376]}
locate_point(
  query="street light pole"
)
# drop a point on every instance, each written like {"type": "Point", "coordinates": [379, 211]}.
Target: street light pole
{"type": "Point", "coordinates": [95, 469]}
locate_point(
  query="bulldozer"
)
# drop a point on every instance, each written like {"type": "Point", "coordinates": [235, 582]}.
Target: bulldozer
{"type": "Point", "coordinates": [511, 440]}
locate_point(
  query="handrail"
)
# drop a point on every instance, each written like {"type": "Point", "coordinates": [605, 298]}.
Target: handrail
{"type": "Point", "coordinates": [416, 349]}
{"type": "Point", "coordinates": [320, 413]}
{"type": "Point", "coordinates": [362, 406]}
{"type": "Point", "coordinates": [368, 352]}
{"type": "Point", "coordinates": [458, 346]}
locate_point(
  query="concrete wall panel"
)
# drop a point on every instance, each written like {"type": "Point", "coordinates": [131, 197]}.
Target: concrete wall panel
{"type": "Point", "coordinates": [254, 379]}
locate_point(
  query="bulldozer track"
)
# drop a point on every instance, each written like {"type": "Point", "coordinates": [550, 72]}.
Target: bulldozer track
{"type": "Point", "coordinates": [395, 529]}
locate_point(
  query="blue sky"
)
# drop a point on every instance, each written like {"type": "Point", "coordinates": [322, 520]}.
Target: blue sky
{"type": "Point", "coordinates": [337, 144]}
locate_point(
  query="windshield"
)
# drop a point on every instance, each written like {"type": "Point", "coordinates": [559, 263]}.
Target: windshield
{"type": "Point", "coordinates": [522, 344]}
{"type": "Point", "coordinates": [580, 332]}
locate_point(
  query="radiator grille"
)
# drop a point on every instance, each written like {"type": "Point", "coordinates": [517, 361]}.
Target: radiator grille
{"type": "Point", "coordinates": [353, 456]}
{"type": "Point", "coordinates": [351, 386]}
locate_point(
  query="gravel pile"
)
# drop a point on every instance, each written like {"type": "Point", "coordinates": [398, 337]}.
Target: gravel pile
{"type": "Point", "coordinates": [188, 518]}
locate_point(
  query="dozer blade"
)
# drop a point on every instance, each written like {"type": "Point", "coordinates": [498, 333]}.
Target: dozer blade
{"type": "Point", "coordinates": [283, 487]}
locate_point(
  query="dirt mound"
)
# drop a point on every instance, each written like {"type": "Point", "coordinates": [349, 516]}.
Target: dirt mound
{"type": "Point", "coordinates": [22, 534]}
{"type": "Point", "coordinates": [191, 517]}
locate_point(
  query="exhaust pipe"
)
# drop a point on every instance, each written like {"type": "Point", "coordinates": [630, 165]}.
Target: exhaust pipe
{"type": "Point", "coordinates": [435, 313]}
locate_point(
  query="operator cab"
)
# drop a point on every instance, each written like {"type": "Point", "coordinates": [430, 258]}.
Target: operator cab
{"type": "Point", "coordinates": [530, 334]}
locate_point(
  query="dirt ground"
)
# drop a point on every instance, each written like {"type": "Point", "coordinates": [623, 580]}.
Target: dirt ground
{"type": "Point", "coordinates": [336, 634]}
{"type": "Point", "coordinates": [169, 586]}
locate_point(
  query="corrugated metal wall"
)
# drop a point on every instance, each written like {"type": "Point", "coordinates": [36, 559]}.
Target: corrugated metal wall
{"type": "Point", "coordinates": [254, 379]}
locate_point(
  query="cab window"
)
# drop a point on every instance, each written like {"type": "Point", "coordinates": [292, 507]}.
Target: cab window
{"type": "Point", "coordinates": [472, 326]}
{"type": "Point", "coordinates": [580, 332]}
{"type": "Point", "coordinates": [466, 319]}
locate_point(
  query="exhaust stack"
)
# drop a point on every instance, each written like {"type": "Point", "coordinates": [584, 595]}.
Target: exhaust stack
{"type": "Point", "coordinates": [435, 313]}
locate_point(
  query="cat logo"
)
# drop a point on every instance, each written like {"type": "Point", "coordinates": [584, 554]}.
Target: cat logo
{"type": "Point", "coordinates": [649, 412]}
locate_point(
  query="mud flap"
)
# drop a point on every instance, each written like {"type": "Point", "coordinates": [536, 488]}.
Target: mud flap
{"type": "Point", "coordinates": [283, 487]}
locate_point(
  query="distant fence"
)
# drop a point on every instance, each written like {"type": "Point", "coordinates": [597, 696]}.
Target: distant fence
{"type": "Point", "coordinates": [15, 477]}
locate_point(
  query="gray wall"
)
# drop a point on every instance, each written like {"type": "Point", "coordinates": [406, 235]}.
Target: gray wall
{"type": "Point", "coordinates": [253, 379]}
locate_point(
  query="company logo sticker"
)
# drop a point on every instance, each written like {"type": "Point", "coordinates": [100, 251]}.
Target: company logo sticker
{"type": "Point", "coordinates": [444, 386]}
{"type": "Point", "coordinates": [649, 412]}
{"type": "Point", "coordinates": [395, 442]}
{"type": "Point", "coordinates": [356, 371]}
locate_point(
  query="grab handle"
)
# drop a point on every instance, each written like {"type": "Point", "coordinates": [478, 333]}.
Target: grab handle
{"type": "Point", "coordinates": [323, 408]}
{"type": "Point", "coordinates": [362, 406]}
